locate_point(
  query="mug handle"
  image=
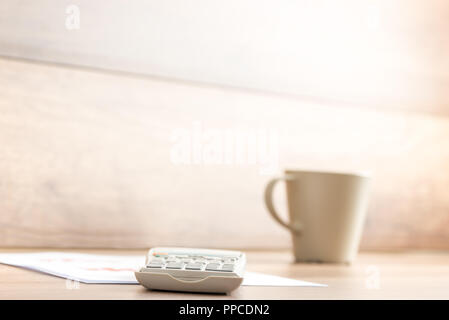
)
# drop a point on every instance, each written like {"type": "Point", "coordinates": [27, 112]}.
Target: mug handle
{"type": "Point", "coordinates": [297, 228]}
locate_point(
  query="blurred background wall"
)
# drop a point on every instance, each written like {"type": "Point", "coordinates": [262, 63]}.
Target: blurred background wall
{"type": "Point", "coordinates": [88, 113]}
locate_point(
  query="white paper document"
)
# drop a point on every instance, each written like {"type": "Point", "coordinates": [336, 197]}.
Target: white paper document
{"type": "Point", "coordinates": [94, 268]}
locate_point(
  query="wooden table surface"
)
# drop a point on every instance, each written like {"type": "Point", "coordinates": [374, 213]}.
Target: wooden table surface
{"type": "Point", "coordinates": [394, 275]}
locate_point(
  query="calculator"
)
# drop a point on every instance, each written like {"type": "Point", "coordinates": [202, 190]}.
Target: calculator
{"type": "Point", "coordinates": [192, 270]}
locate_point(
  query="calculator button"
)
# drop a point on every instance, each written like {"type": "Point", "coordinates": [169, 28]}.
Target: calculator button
{"type": "Point", "coordinates": [155, 265]}
{"type": "Point", "coordinates": [186, 260]}
{"type": "Point", "coordinates": [174, 265]}
{"type": "Point", "coordinates": [194, 266]}
{"type": "Point", "coordinates": [213, 267]}
{"type": "Point", "coordinates": [229, 267]}
{"type": "Point", "coordinates": [155, 262]}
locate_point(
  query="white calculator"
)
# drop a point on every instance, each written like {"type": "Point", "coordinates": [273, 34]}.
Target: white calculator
{"type": "Point", "coordinates": [194, 270]}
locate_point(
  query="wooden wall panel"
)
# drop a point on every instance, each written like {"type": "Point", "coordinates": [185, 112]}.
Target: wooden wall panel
{"type": "Point", "coordinates": [85, 161]}
{"type": "Point", "coordinates": [387, 53]}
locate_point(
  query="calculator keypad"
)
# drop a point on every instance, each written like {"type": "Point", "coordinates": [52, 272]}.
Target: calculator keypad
{"type": "Point", "coordinates": [192, 263]}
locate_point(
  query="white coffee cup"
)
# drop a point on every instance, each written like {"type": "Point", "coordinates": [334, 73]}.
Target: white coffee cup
{"type": "Point", "coordinates": [327, 212]}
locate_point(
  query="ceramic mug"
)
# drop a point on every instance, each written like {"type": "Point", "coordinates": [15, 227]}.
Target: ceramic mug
{"type": "Point", "coordinates": [326, 213]}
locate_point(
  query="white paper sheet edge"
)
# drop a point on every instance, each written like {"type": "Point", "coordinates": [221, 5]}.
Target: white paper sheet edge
{"type": "Point", "coordinates": [25, 260]}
